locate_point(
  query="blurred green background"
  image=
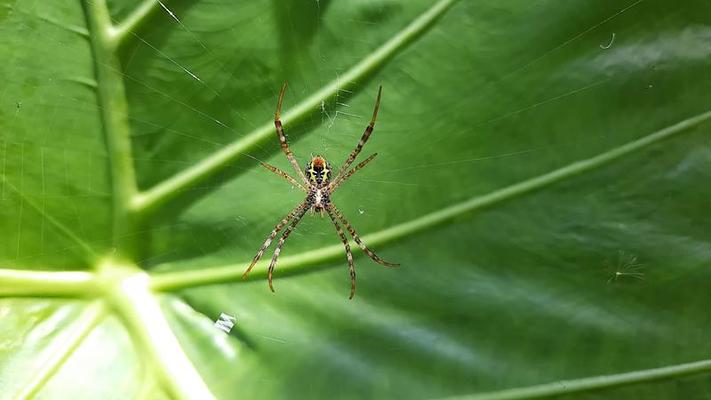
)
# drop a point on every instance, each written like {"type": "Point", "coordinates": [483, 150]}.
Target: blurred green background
{"type": "Point", "coordinates": [600, 273]}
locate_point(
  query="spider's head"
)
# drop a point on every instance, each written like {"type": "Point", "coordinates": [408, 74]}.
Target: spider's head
{"type": "Point", "coordinates": [318, 170]}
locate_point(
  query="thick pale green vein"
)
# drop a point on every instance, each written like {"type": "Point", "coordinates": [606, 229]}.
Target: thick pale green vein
{"type": "Point", "coordinates": [127, 289]}
{"type": "Point", "coordinates": [114, 115]}
{"type": "Point", "coordinates": [183, 181]}
{"type": "Point", "coordinates": [60, 350]}
{"type": "Point", "coordinates": [594, 383]}
{"type": "Point", "coordinates": [299, 263]}
{"type": "Point", "coordinates": [15, 282]}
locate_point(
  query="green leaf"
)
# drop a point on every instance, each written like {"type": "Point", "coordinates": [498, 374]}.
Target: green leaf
{"type": "Point", "coordinates": [542, 179]}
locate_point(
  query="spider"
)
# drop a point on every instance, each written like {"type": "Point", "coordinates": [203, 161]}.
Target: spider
{"type": "Point", "coordinates": [319, 186]}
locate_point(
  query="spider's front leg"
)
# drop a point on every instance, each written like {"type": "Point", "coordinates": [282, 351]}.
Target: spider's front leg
{"type": "Point", "coordinates": [362, 141]}
{"type": "Point", "coordinates": [282, 138]}
{"type": "Point", "coordinates": [335, 184]}
{"type": "Point", "coordinates": [283, 175]}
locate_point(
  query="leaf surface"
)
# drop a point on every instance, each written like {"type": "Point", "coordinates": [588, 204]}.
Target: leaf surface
{"type": "Point", "coordinates": [541, 178]}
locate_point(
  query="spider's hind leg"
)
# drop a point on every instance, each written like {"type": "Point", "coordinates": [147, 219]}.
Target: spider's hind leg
{"type": "Point", "coordinates": [357, 239]}
{"type": "Point", "coordinates": [283, 238]}
{"type": "Point", "coordinates": [349, 255]}
{"type": "Point", "coordinates": [296, 211]}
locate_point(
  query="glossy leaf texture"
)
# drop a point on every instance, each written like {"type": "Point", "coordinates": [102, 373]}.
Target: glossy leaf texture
{"type": "Point", "coordinates": [542, 178]}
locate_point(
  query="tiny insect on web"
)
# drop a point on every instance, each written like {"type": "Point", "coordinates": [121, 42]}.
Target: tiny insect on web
{"type": "Point", "coordinates": [319, 186]}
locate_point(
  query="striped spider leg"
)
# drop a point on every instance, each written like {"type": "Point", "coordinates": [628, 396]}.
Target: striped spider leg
{"type": "Point", "coordinates": [358, 167]}
{"type": "Point", "coordinates": [282, 137]}
{"type": "Point", "coordinates": [296, 212]}
{"type": "Point", "coordinates": [359, 146]}
{"type": "Point", "coordinates": [318, 187]}
{"type": "Point", "coordinates": [284, 175]}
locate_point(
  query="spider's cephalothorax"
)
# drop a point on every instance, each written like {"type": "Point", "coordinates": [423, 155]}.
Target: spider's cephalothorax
{"type": "Point", "coordinates": [318, 185]}
{"type": "Point", "coordinates": [318, 171]}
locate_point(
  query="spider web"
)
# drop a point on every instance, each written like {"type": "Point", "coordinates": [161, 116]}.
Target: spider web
{"type": "Point", "coordinates": [186, 104]}
{"type": "Point", "coordinates": [235, 108]}
{"type": "Point", "coordinates": [461, 116]}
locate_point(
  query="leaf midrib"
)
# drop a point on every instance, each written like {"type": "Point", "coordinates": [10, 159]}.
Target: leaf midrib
{"type": "Point", "coordinates": [116, 281]}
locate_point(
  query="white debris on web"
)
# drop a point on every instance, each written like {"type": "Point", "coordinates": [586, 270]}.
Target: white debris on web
{"type": "Point", "coordinates": [610, 43]}
{"type": "Point", "coordinates": [225, 322]}
{"type": "Point", "coordinates": [627, 267]}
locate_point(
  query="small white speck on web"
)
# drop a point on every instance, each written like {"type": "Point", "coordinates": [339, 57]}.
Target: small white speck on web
{"type": "Point", "coordinates": [627, 266]}
{"type": "Point", "coordinates": [610, 43]}
{"type": "Point", "coordinates": [361, 212]}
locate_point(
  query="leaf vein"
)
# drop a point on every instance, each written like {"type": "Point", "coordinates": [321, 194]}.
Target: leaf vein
{"type": "Point", "coordinates": [299, 263]}
{"type": "Point", "coordinates": [181, 183]}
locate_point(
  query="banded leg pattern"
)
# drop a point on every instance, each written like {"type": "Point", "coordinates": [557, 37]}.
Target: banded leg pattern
{"type": "Point", "coordinates": [349, 254]}
{"type": "Point", "coordinates": [363, 139]}
{"type": "Point", "coordinates": [283, 175]}
{"type": "Point", "coordinates": [357, 239]}
{"type": "Point", "coordinates": [299, 210]}
{"type": "Point", "coordinates": [358, 167]}
{"type": "Point", "coordinates": [282, 137]}
{"type": "Point", "coordinates": [295, 220]}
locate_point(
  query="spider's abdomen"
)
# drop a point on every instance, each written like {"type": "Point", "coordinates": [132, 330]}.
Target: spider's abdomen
{"type": "Point", "coordinates": [318, 199]}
